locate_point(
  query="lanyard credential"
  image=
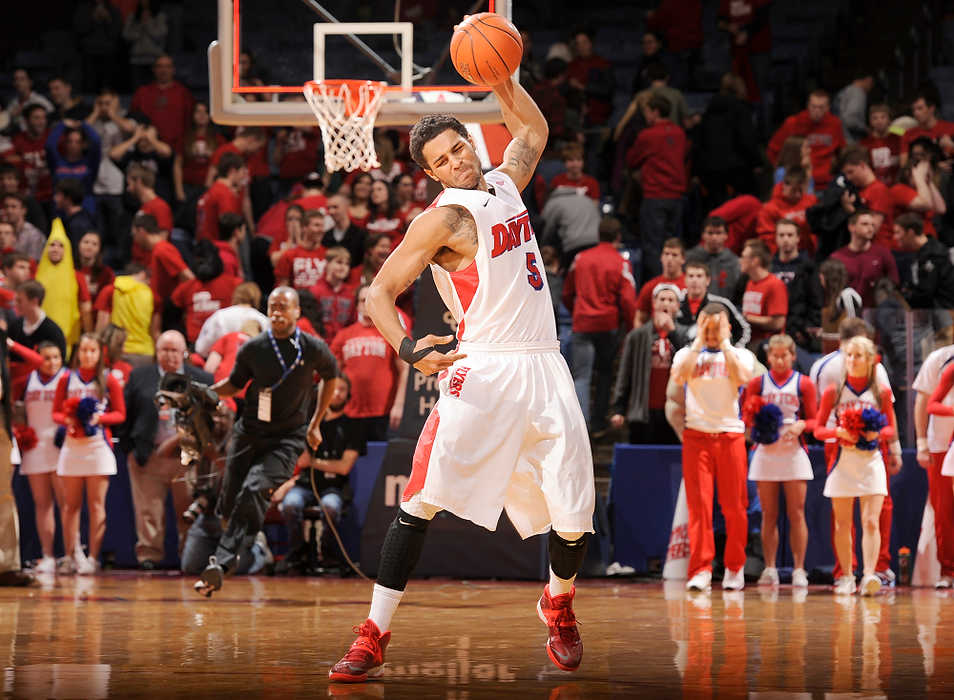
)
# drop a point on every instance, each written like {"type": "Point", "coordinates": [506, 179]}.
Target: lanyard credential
{"type": "Point", "coordinates": [286, 370]}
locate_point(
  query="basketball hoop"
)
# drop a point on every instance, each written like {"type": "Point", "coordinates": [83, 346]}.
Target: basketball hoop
{"type": "Point", "coordinates": [346, 110]}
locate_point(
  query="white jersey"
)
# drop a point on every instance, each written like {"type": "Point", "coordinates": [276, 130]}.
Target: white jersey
{"type": "Point", "coordinates": [502, 297]}
{"type": "Point", "coordinates": [830, 371]}
{"type": "Point", "coordinates": [81, 455]}
{"type": "Point", "coordinates": [856, 472]}
{"type": "Point", "coordinates": [712, 401]}
{"type": "Point", "coordinates": [38, 405]}
{"type": "Point", "coordinates": [787, 397]}
{"type": "Point", "coordinates": [940, 428]}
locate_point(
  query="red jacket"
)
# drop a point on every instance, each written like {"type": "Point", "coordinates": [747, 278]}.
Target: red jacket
{"type": "Point", "coordinates": [600, 291]}
{"type": "Point", "coordinates": [825, 138]}
{"type": "Point", "coordinates": [660, 151]}
{"type": "Point", "coordinates": [740, 214]}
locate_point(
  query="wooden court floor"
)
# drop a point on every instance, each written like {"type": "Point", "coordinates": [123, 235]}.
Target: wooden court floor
{"type": "Point", "coordinates": [150, 636]}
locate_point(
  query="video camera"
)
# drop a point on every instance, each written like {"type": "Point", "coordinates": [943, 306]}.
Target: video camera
{"type": "Point", "coordinates": [194, 409]}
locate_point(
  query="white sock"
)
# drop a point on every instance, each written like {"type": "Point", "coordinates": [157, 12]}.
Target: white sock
{"type": "Point", "coordinates": [559, 586]}
{"type": "Point", "coordinates": [384, 602]}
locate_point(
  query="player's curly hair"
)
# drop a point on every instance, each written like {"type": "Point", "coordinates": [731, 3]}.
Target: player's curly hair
{"type": "Point", "coordinates": [427, 128]}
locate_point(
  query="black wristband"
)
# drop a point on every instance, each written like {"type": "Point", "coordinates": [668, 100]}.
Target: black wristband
{"type": "Point", "coordinates": [408, 354]}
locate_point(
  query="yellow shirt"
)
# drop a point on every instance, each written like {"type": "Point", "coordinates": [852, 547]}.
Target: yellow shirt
{"type": "Point", "coordinates": [132, 310]}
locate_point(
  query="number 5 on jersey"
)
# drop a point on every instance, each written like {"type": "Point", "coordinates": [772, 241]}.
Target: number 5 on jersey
{"type": "Point", "coordinates": [534, 278]}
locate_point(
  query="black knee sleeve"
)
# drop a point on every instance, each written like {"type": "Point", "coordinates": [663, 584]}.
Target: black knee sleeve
{"type": "Point", "coordinates": [401, 550]}
{"type": "Point", "coordinates": [566, 557]}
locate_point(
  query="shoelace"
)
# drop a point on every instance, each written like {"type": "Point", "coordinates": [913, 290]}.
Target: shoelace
{"type": "Point", "coordinates": [362, 647]}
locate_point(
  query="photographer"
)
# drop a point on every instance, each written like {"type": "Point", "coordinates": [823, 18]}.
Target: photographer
{"type": "Point", "coordinates": [270, 434]}
{"type": "Point", "coordinates": [149, 441]}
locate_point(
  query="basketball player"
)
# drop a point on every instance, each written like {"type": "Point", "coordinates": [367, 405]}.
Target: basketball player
{"type": "Point", "coordinates": [934, 434]}
{"type": "Point", "coordinates": [828, 371]}
{"type": "Point", "coordinates": [713, 450]}
{"type": "Point", "coordinates": [507, 431]}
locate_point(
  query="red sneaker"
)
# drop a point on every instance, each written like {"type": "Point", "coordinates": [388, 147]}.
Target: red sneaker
{"type": "Point", "coordinates": [564, 646]}
{"type": "Point", "coordinates": [365, 658]}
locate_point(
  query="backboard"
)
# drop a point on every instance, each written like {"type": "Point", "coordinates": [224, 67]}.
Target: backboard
{"type": "Point", "coordinates": [402, 42]}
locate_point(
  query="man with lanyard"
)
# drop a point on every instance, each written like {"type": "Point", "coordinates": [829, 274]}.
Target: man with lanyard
{"type": "Point", "coordinates": [271, 433]}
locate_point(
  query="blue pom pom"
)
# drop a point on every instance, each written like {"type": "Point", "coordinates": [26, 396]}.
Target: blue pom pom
{"type": "Point", "coordinates": [767, 422]}
{"type": "Point", "coordinates": [874, 420]}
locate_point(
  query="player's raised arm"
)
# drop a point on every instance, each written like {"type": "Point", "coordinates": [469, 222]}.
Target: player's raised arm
{"type": "Point", "coordinates": [428, 234]}
{"type": "Point", "coordinates": [529, 128]}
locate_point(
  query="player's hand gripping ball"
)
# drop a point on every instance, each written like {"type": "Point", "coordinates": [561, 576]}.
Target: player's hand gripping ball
{"type": "Point", "coordinates": [486, 49]}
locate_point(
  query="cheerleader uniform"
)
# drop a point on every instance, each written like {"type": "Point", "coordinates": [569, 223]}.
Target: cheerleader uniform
{"type": "Point", "coordinates": [855, 472]}
{"type": "Point", "coordinates": [38, 403]}
{"type": "Point", "coordinates": [939, 406]}
{"type": "Point", "coordinates": [88, 455]}
{"type": "Point", "coordinates": [784, 461]}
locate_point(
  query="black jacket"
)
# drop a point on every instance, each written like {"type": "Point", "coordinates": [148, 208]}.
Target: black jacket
{"type": "Point", "coordinates": [354, 240]}
{"type": "Point", "coordinates": [741, 330]}
{"type": "Point", "coordinates": [138, 433]}
{"type": "Point", "coordinates": [805, 298]}
{"type": "Point", "coordinates": [727, 139]}
{"type": "Point", "coordinates": [7, 387]}
{"type": "Point", "coordinates": [933, 286]}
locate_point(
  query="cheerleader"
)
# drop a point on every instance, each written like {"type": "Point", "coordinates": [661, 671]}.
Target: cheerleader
{"type": "Point", "coordinates": [857, 472]}
{"type": "Point", "coordinates": [38, 464]}
{"type": "Point", "coordinates": [87, 461]}
{"type": "Point", "coordinates": [937, 407]}
{"type": "Point", "coordinates": [784, 462]}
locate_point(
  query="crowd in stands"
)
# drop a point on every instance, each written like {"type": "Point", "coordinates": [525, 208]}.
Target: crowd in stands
{"type": "Point", "coordinates": [130, 216]}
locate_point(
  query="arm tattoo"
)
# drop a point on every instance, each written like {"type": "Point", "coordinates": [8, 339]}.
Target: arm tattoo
{"type": "Point", "coordinates": [520, 156]}
{"type": "Point", "coordinates": [460, 222]}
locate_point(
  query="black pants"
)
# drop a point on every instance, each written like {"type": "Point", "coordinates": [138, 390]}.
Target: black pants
{"type": "Point", "coordinates": [656, 431]}
{"type": "Point", "coordinates": [256, 466]}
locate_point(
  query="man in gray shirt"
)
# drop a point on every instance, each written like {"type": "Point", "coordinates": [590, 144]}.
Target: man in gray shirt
{"type": "Point", "coordinates": [571, 222]}
{"type": "Point", "coordinates": [30, 239]}
{"type": "Point", "coordinates": [723, 264]}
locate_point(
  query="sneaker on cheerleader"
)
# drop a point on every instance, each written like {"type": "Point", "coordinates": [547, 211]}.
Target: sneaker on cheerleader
{"type": "Point", "coordinates": [870, 585]}
{"type": "Point", "coordinates": [46, 565]}
{"type": "Point", "coordinates": [86, 566]}
{"type": "Point", "coordinates": [365, 658]}
{"type": "Point", "coordinates": [701, 582]}
{"type": "Point", "coordinates": [734, 580]}
{"type": "Point", "coordinates": [944, 582]}
{"type": "Point", "coordinates": [564, 646]}
{"type": "Point", "coordinates": [769, 576]}
{"type": "Point", "coordinates": [887, 578]}
{"type": "Point", "coordinates": [800, 578]}
{"type": "Point", "coordinates": [845, 585]}
{"type": "Point", "coordinates": [66, 566]}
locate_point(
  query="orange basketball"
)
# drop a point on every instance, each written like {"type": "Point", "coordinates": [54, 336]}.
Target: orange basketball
{"type": "Point", "coordinates": [486, 49]}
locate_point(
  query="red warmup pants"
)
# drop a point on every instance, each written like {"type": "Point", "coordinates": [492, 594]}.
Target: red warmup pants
{"type": "Point", "coordinates": [710, 459]}
{"type": "Point", "coordinates": [942, 501]}
{"type": "Point", "coordinates": [884, 524]}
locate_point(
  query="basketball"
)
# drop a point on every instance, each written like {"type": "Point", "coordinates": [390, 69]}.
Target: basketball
{"type": "Point", "coordinates": [486, 49]}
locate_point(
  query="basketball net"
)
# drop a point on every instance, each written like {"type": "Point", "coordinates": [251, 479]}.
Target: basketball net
{"type": "Point", "coordinates": [346, 110]}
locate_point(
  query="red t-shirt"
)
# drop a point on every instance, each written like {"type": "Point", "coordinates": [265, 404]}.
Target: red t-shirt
{"type": "Point", "coordinates": [740, 214]}
{"type": "Point", "coordinates": [219, 199]}
{"type": "Point", "coordinates": [230, 261]}
{"type": "Point", "coordinates": [337, 307]}
{"type": "Point", "coordinates": [393, 227]}
{"type": "Point", "coordinates": [878, 198]}
{"type": "Point", "coordinates": [196, 155]}
{"type": "Point", "coordinates": [33, 165]}
{"type": "Point", "coordinates": [368, 360]}
{"type": "Point", "coordinates": [300, 156]}
{"type": "Point", "coordinates": [302, 268]}
{"type": "Point", "coordinates": [866, 268]}
{"type": "Point", "coordinates": [825, 137]}
{"type": "Point", "coordinates": [120, 371]}
{"type": "Point", "coordinates": [228, 346]}
{"type": "Point", "coordinates": [158, 208]}
{"type": "Point", "coordinates": [680, 21]}
{"type": "Point", "coordinates": [768, 297]}
{"type": "Point", "coordinates": [581, 69]}
{"type": "Point", "coordinates": [272, 222]}
{"type": "Point", "coordinates": [644, 302]}
{"type": "Point", "coordinates": [256, 161]}
{"type": "Point", "coordinates": [778, 208]}
{"type": "Point", "coordinates": [82, 289]}
{"type": "Point", "coordinates": [659, 369]}
{"type": "Point", "coordinates": [104, 279]}
{"type": "Point", "coordinates": [940, 128]}
{"type": "Point", "coordinates": [313, 201]}
{"type": "Point", "coordinates": [165, 264]}
{"type": "Point", "coordinates": [903, 196]}
{"type": "Point", "coordinates": [742, 14]}
{"type": "Point", "coordinates": [587, 183]}
{"type": "Point", "coordinates": [199, 300]}
{"type": "Point", "coordinates": [885, 156]}
{"type": "Point", "coordinates": [168, 108]}
{"type": "Point", "coordinates": [660, 151]}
